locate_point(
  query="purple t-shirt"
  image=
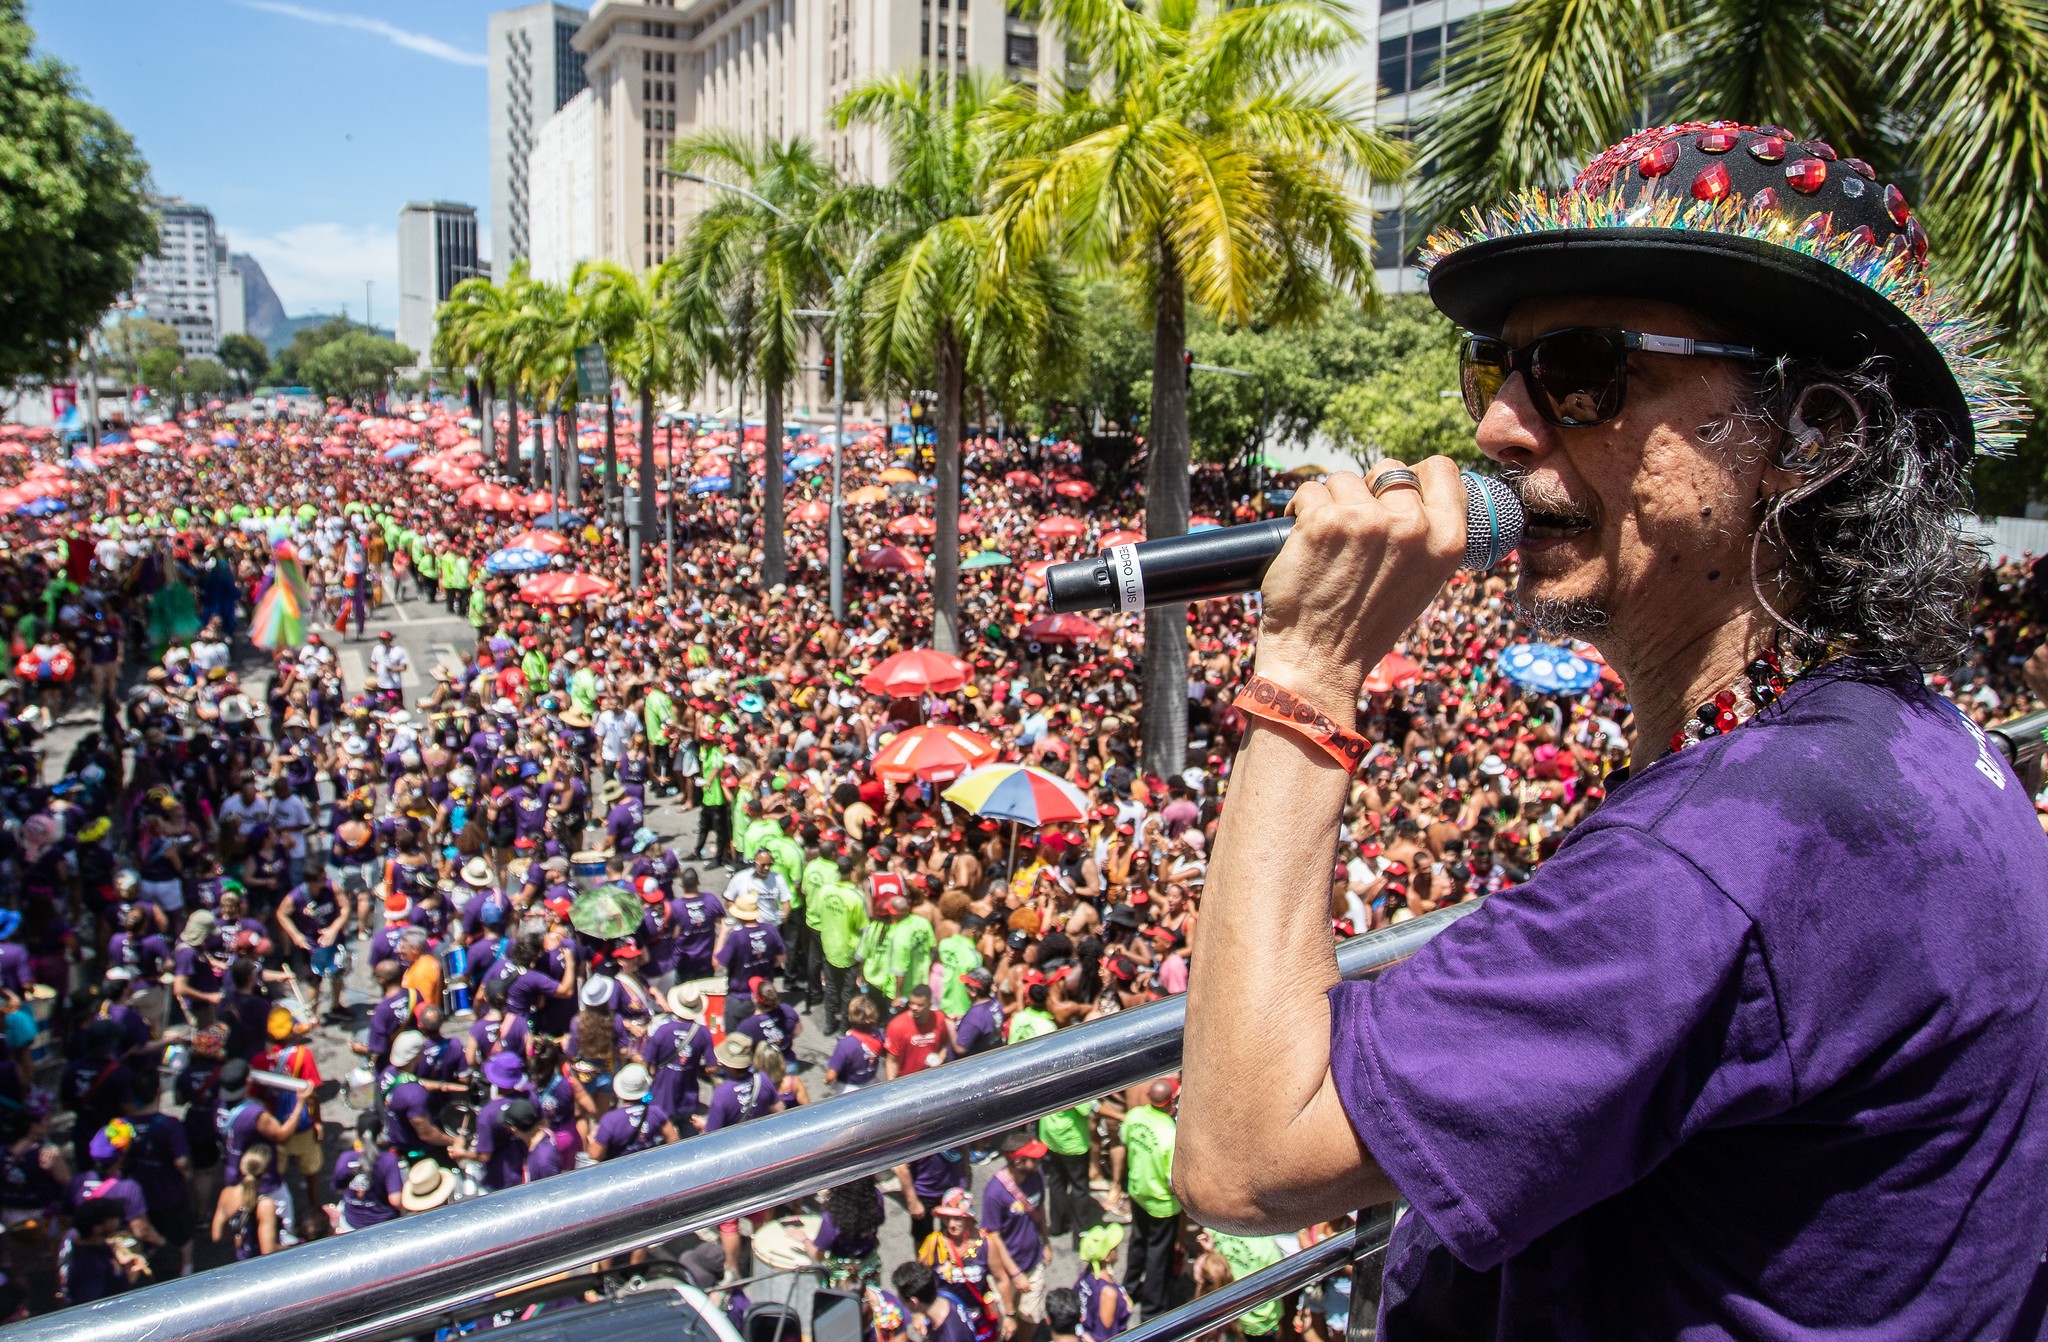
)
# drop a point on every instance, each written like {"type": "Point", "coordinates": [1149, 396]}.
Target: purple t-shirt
{"type": "Point", "coordinates": [117, 1189]}
{"type": "Point", "coordinates": [504, 1154]}
{"type": "Point", "coordinates": [1756, 1054]}
{"type": "Point", "coordinates": [407, 1101]}
{"type": "Point", "coordinates": [1007, 1211]}
{"type": "Point", "coordinates": [697, 919]}
{"type": "Point", "coordinates": [629, 1128]}
{"type": "Point", "coordinates": [366, 1192]}
{"type": "Point", "coordinates": [748, 950]}
{"type": "Point", "coordinates": [856, 1060]}
{"type": "Point", "coordinates": [737, 1099]}
{"type": "Point", "coordinates": [678, 1053]}
{"type": "Point", "coordinates": [777, 1027]}
{"type": "Point", "coordinates": [543, 1159]}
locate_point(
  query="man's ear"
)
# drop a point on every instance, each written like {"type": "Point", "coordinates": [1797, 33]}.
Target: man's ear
{"type": "Point", "coordinates": [1826, 427]}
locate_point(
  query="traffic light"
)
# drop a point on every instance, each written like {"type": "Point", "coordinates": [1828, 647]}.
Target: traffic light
{"type": "Point", "coordinates": [825, 376]}
{"type": "Point", "coordinates": [1187, 368]}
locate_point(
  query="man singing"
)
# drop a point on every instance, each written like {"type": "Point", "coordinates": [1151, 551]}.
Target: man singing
{"type": "Point", "coordinates": [1759, 1053]}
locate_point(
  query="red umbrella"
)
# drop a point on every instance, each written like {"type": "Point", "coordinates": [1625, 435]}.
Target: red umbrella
{"type": "Point", "coordinates": [1199, 520]}
{"type": "Point", "coordinates": [913, 524]}
{"type": "Point", "coordinates": [1022, 479]}
{"type": "Point", "coordinates": [817, 510]}
{"type": "Point", "coordinates": [455, 479]}
{"type": "Point", "coordinates": [1075, 489]}
{"type": "Point", "coordinates": [970, 524]}
{"type": "Point", "coordinates": [538, 502]}
{"type": "Point", "coordinates": [1394, 672]}
{"type": "Point", "coordinates": [1063, 629]}
{"type": "Point", "coordinates": [935, 754]}
{"type": "Point", "coordinates": [1122, 538]}
{"type": "Point", "coordinates": [917, 671]}
{"type": "Point", "coordinates": [892, 559]}
{"type": "Point", "coordinates": [336, 452]}
{"type": "Point", "coordinates": [1059, 525]}
{"type": "Point", "coordinates": [547, 542]}
{"type": "Point", "coordinates": [565, 589]}
{"type": "Point", "coordinates": [1034, 572]}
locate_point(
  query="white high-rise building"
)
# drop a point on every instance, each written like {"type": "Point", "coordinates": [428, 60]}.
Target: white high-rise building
{"type": "Point", "coordinates": [180, 285]}
{"type": "Point", "coordinates": [234, 296]}
{"type": "Point", "coordinates": [562, 191]}
{"type": "Point", "coordinates": [437, 250]}
{"type": "Point", "coordinates": [535, 69]}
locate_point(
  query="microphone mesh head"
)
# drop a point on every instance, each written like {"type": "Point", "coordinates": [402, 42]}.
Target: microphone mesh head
{"type": "Point", "coordinates": [1493, 520]}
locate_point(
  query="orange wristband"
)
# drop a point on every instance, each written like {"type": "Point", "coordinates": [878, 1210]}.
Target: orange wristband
{"type": "Point", "coordinates": [1263, 699]}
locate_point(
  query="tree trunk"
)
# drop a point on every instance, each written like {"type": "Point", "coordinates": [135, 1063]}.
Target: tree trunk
{"type": "Point", "coordinates": [951, 412]}
{"type": "Point", "coordinates": [774, 563]}
{"type": "Point", "coordinates": [739, 493]}
{"type": "Point", "coordinates": [1164, 729]}
{"type": "Point", "coordinates": [486, 428]}
{"type": "Point", "coordinates": [611, 452]}
{"type": "Point", "coordinates": [540, 451]}
{"type": "Point", "coordinates": [510, 459]}
{"type": "Point", "coordinates": [646, 500]}
{"type": "Point", "coordinates": [570, 444]}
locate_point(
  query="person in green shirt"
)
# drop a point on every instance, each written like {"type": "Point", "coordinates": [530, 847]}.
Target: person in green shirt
{"type": "Point", "coordinates": [1034, 1020]}
{"type": "Point", "coordinates": [1246, 1256]}
{"type": "Point", "coordinates": [1147, 1135]}
{"type": "Point", "coordinates": [788, 855]}
{"type": "Point", "coordinates": [583, 688]}
{"type": "Point", "coordinates": [429, 565]}
{"type": "Point", "coordinates": [714, 820]}
{"type": "Point", "coordinates": [479, 607]}
{"type": "Point", "coordinates": [454, 569]}
{"type": "Point", "coordinates": [958, 954]}
{"type": "Point", "coordinates": [533, 663]}
{"type": "Point", "coordinates": [657, 711]}
{"type": "Point", "coordinates": [874, 949]}
{"type": "Point", "coordinates": [1068, 1206]}
{"type": "Point", "coordinates": [912, 943]}
{"type": "Point", "coordinates": [837, 913]}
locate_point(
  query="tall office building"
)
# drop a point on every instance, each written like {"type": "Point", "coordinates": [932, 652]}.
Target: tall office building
{"type": "Point", "coordinates": [180, 285]}
{"type": "Point", "coordinates": [436, 251]}
{"type": "Point", "coordinates": [1412, 41]}
{"type": "Point", "coordinates": [535, 69]}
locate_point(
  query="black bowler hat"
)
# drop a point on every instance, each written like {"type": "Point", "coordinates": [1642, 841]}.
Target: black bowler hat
{"type": "Point", "coordinates": [1803, 250]}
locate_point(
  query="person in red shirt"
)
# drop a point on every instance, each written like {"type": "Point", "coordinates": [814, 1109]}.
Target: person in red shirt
{"type": "Point", "coordinates": [918, 1038]}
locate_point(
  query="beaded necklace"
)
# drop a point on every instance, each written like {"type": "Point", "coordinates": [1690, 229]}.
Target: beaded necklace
{"type": "Point", "coordinates": [1762, 683]}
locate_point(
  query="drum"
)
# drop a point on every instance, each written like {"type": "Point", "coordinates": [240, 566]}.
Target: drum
{"type": "Point", "coordinates": [714, 1005]}
{"type": "Point", "coordinates": [777, 1244]}
{"type": "Point", "coordinates": [587, 868]}
{"type": "Point", "coordinates": [455, 997]}
{"type": "Point", "coordinates": [455, 961]}
{"type": "Point", "coordinates": [42, 1005]}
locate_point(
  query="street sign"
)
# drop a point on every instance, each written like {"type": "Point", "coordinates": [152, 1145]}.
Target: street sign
{"type": "Point", "coordinates": [593, 377]}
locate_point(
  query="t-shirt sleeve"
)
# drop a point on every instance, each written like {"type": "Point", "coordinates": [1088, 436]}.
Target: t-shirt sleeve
{"type": "Point", "coordinates": [1554, 1047]}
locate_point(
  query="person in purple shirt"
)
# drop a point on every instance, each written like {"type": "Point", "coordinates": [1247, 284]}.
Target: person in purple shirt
{"type": "Point", "coordinates": [741, 1093]}
{"type": "Point", "coordinates": [368, 1178]}
{"type": "Point", "coordinates": [137, 949]}
{"type": "Point", "coordinates": [774, 1022]}
{"type": "Point", "coordinates": [850, 1233]}
{"type": "Point", "coordinates": [89, 1266]}
{"type": "Point", "coordinates": [981, 1025]}
{"type": "Point", "coordinates": [857, 1058]}
{"type": "Point", "coordinates": [1013, 1202]}
{"type": "Point", "coordinates": [633, 1124]}
{"type": "Point", "coordinates": [106, 1181]}
{"type": "Point", "coordinates": [542, 1156]}
{"type": "Point", "coordinates": [393, 1012]}
{"type": "Point", "coordinates": [753, 949]}
{"type": "Point", "coordinates": [697, 916]}
{"type": "Point", "coordinates": [946, 1317]}
{"type": "Point", "coordinates": [1759, 1051]}
{"type": "Point", "coordinates": [503, 1154]}
{"type": "Point", "coordinates": [678, 1053]}
{"type": "Point", "coordinates": [535, 987]}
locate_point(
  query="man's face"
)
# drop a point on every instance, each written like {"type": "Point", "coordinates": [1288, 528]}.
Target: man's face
{"type": "Point", "coordinates": [1637, 525]}
{"type": "Point", "coordinates": [762, 861]}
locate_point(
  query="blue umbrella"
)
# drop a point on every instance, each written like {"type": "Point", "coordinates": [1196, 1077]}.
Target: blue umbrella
{"type": "Point", "coordinates": [226, 440]}
{"type": "Point", "coordinates": [559, 521]}
{"type": "Point", "coordinates": [42, 507]}
{"type": "Point", "coordinates": [803, 461]}
{"type": "Point", "coordinates": [1548, 668]}
{"type": "Point", "coordinates": [401, 452]}
{"type": "Point", "coordinates": [518, 559]}
{"type": "Point", "coordinates": [710, 484]}
{"type": "Point", "coordinates": [109, 439]}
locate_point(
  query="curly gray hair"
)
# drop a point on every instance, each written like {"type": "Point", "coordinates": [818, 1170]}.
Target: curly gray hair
{"type": "Point", "coordinates": [1874, 554]}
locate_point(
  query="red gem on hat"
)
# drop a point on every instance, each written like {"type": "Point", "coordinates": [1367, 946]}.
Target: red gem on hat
{"type": "Point", "coordinates": [1656, 162]}
{"type": "Point", "coordinates": [1712, 183]}
{"type": "Point", "coordinates": [1821, 149]}
{"type": "Point", "coordinates": [1764, 200]}
{"type": "Point", "coordinates": [1717, 141]}
{"type": "Point", "coordinates": [1767, 150]}
{"type": "Point", "coordinates": [1806, 175]}
{"type": "Point", "coordinates": [1869, 173]}
{"type": "Point", "coordinates": [1895, 205]}
{"type": "Point", "coordinates": [1862, 233]}
{"type": "Point", "coordinates": [1916, 240]}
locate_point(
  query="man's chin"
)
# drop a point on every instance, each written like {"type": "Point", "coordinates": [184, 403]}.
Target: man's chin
{"type": "Point", "coordinates": [1552, 608]}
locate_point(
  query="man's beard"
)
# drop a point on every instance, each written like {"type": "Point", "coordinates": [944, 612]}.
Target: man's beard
{"type": "Point", "coordinates": [1567, 617]}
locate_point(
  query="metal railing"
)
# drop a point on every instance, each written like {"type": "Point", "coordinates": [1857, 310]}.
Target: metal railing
{"type": "Point", "coordinates": [374, 1282]}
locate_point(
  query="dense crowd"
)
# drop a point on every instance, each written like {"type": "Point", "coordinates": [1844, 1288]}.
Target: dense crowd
{"type": "Point", "coordinates": [554, 982]}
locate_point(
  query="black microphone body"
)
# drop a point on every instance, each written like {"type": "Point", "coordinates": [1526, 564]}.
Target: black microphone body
{"type": "Point", "coordinates": [1229, 560]}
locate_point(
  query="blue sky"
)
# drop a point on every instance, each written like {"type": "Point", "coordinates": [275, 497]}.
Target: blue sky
{"type": "Point", "coordinates": [303, 125]}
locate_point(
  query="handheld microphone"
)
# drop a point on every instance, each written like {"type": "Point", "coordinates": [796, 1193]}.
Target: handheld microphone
{"type": "Point", "coordinates": [1229, 560]}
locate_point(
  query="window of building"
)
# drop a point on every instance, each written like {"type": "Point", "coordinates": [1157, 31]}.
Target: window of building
{"type": "Point", "coordinates": [1386, 237]}
{"type": "Point", "coordinates": [1425, 54]}
{"type": "Point", "coordinates": [1393, 66]}
{"type": "Point", "coordinates": [924, 38]}
{"type": "Point", "coordinates": [942, 40]}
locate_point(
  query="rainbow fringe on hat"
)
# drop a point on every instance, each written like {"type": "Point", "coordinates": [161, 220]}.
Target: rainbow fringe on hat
{"type": "Point", "coordinates": [1998, 407]}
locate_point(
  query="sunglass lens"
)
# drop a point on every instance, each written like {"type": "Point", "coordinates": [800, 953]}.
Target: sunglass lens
{"type": "Point", "coordinates": [1482, 370]}
{"type": "Point", "coordinates": [1580, 375]}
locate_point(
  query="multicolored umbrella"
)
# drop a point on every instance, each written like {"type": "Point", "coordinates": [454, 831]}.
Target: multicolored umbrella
{"type": "Point", "coordinates": [565, 589]}
{"type": "Point", "coordinates": [1018, 792]}
{"type": "Point", "coordinates": [516, 559]}
{"type": "Point", "coordinates": [1547, 668]}
{"type": "Point", "coordinates": [918, 671]}
{"type": "Point", "coordinates": [933, 753]}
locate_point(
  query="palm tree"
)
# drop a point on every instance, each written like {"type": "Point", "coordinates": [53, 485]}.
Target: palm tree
{"type": "Point", "coordinates": [762, 244]}
{"type": "Point", "coordinates": [1949, 94]}
{"type": "Point", "coordinates": [1206, 162]}
{"type": "Point", "coordinates": [930, 292]}
{"type": "Point", "coordinates": [541, 339]}
{"type": "Point", "coordinates": [472, 330]}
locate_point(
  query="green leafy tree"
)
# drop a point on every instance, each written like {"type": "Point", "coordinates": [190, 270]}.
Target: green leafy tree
{"type": "Point", "coordinates": [469, 336]}
{"type": "Point", "coordinates": [1409, 409]}
{"type": "Point", "coordinates": [933, 295]}
{"type": "Point", "coordinates": [159, 367]}
{"type": "Point", "coordinates": [205, 377]}
{"type": "Point", "coordinates": [74, 219]}
{"type": "Point", "coordinates": [763, 248]}
{"type": "Point", "coordinates": [247, 357]}
{"type": "Point", "coordinates": [129, 339]}
{"type": "Point", "coordinates": [354, 365]}
{"type": "Point", "coordinates": [1210, 163]}
{"type": "Point", "coordinates": [541, 338]}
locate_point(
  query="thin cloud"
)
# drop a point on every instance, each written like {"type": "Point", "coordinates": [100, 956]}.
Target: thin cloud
{"type": "Point", "coordinates": [399, 37]}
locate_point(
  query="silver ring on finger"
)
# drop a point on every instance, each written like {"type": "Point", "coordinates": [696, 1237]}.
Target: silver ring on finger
{"type": "Point", "coordinates": [1396, 477]}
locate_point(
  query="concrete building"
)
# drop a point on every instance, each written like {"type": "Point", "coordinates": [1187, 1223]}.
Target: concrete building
{"type": "Point", "coordinates": [437, 250]}
{"type": "Point", "coordinates": [562, 191]}
{"type": "Point", "coordinates": [180, 285]}
{"type": "Point", "coordinates": [234, 296]}
{"type": "Point", "coordinates": [535, 69]}
{"type": "Point", "coordinates": [1411, 43]}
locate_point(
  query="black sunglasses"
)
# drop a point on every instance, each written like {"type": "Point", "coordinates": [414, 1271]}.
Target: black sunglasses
{"type": "Point", "coordinates": [1578, 375]}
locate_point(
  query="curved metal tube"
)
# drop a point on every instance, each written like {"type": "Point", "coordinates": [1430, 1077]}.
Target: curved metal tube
{"type": "Point", "coordinates": [362, 1284]}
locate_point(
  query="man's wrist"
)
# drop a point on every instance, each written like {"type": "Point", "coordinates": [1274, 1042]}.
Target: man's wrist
{"type": "Point", "coordinates": [1335, 694]}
